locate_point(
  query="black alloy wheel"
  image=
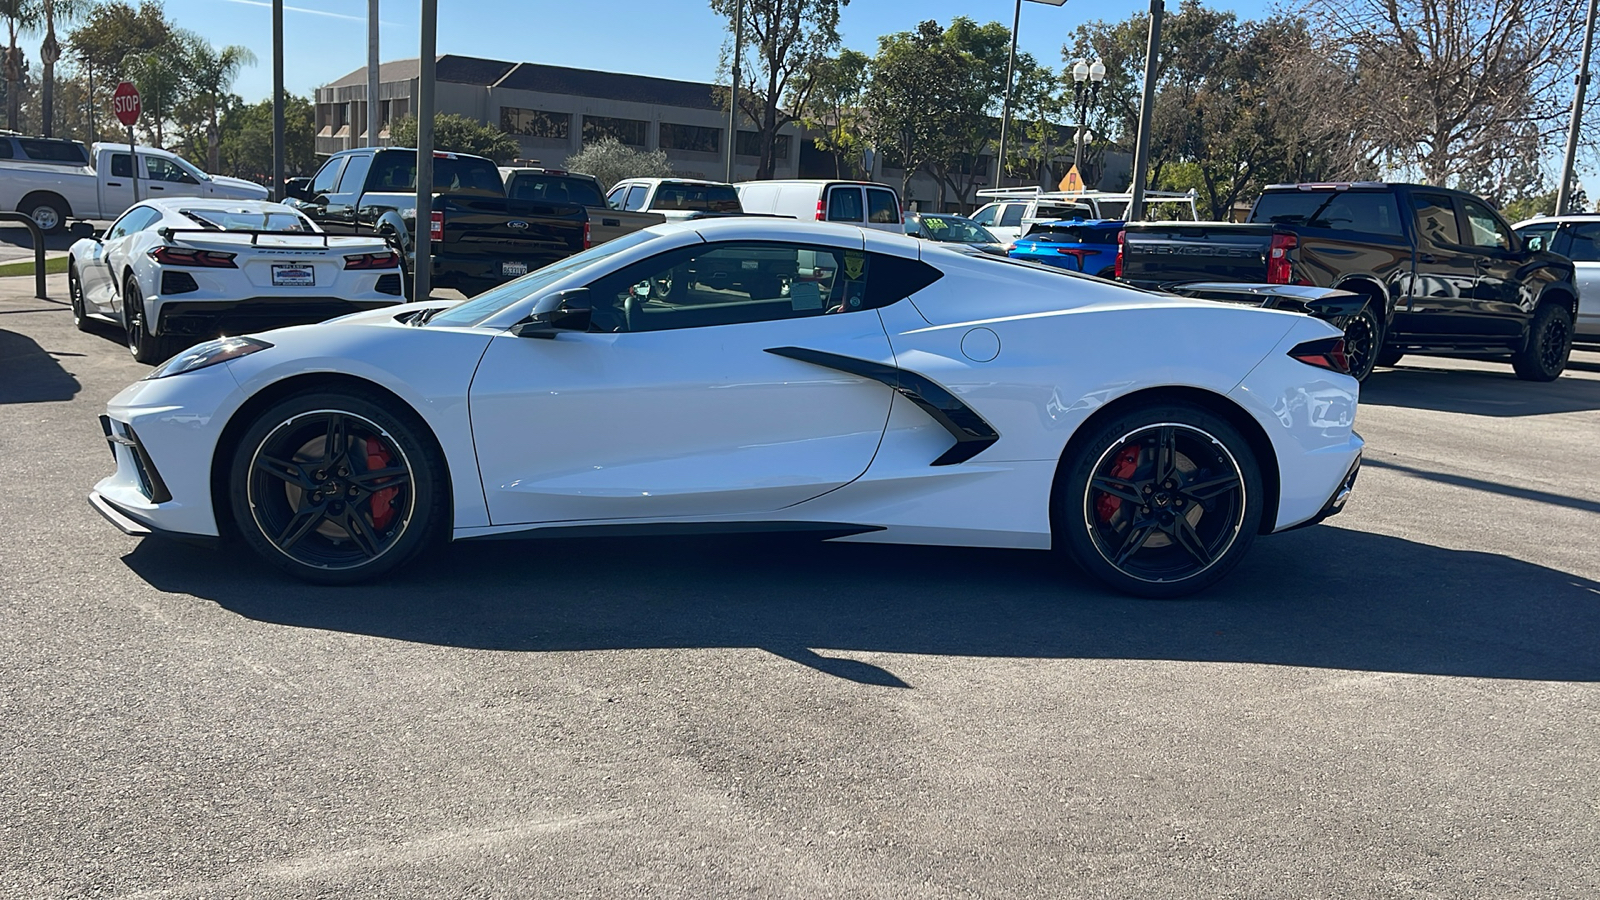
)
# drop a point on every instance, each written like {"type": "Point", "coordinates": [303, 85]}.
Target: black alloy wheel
{"type": "Point", "coordinates": [145, 347]}
{"type": "Point", "coordinates": [80, 313]}
{"type": "Point", "coordinates": [1363, 341]}
{"type": "Point", "coordinates": [1161, 502]}
{"type": "Point", "coordinates": [335, 488]}
{"type": "Point", "coordinates": [1549, 345]}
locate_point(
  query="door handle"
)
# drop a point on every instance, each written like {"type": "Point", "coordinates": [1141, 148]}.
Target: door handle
{"type": "Point", "coordinates": [611, 223]}
{"type": "Point", "coordinates": [157, 187]}
{"type": "Point", "coordinates": [1427, 258]}
{"type": "Point", "coordinates": [113, 184]}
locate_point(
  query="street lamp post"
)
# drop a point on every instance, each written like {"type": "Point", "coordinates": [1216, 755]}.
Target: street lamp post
{"type": "Point", "coordinates": [1084, 98]}
{"type": "Point", "coordinates": [1005, 104]}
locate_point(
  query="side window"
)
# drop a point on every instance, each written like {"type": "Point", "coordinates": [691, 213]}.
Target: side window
{"type": "Point", "coordinates": [354, 179]}
{"type": "Point", "coordinates": [1579, 242]}
{"type": "Point", "coordinates": [1539, 237]}
{"type": "Point", "coordinates": [636, 195]}
{"type": "Point", "coordinates": [121, 165]}
{"type": "Point", "coordinates": [393, 172]}
{"type": "Point", "coordinates": [985, 216]}
{"type": "Point", "coordinates": [1436, 219]}
{"type": "Point", "coordinates": [732, 283]}
{"type": "Point", "coordinates": [327, 177]}
{"type": "Point", "coordinates": [158, 169]}
{"type": "Point", "coordinates": [614, 199]}
{"type": "Point", "coordinates": [882, 207]}
{"type": "Point", "coordinates": [1487, 230]}
{"type": "Point", "coordinates": [1011, 215]}
{"type": "Point", "coordinates": [5, 149]}
{"type": "Point", "coordinates": [844, 204]}
{"type": "Point", "coordinates": [133, 220]}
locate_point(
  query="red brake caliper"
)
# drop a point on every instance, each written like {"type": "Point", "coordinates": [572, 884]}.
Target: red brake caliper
{"type": "Point", "coordinates": [379, 458]}
{"type": "Point", "coordinates": [1125, 464]}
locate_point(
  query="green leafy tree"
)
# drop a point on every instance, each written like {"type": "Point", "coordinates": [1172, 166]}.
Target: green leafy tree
{"type": "Point", "coordinates": [458, 134]}
{"type": "Point", "coordinates": [610, 161]}
{"type": "Point", "coordinates": [246, 150]}
{"type": "Point", "coordinates": [784, 40]}
{"type": "Point", "coordinates": [835, 108]}
{"type": "Point", "coordinates": [161, 76]}
{"type": "Point", "coordinates": [1037, 109]}
{"type": "Point", "coordinates": [210, 73]}
{"type": "Point", "coordinates": [105, 40]}
{"type": "Point", "coordinates": [915, 81]}
{"type": "Point", "coordinates": [976, 56]}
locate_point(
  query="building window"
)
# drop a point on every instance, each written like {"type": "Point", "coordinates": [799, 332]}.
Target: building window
{"type": "Point", "coordinates": [691, 137]}
{"type": "Point", "coordinates": [535, 123]}
{"type": "Point", "coordinates": [964, 165]}
{"type": "Point", "coordinates": [750, 145]}
{"type": "Point", "coordinates": [629, 131]}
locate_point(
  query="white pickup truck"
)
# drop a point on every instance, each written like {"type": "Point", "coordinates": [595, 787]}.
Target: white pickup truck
{"type": "Point", "coordinates": [51, 193]}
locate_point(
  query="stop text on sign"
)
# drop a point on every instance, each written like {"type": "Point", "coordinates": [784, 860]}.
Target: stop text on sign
{"type": "Point", "coordinates": [125, 103]}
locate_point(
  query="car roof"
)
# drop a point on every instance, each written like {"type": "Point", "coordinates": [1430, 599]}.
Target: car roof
{"type": "Point", "coordinates": [177, 204]}
{"type": "Point", "coordinates": [674, 179]}
{"type": "Point", "coordinates": [1564, 217]}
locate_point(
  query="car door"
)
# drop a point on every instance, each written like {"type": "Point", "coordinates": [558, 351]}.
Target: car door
{"type": "Point", "coordinates": [1580, 242]}
{"type": "Point", "coordinates": [1444, 275]}
{"type": "Point", "coordinates": [846, 205]}
{"type": "Point", "coordinates": [1504, 297]}
{"type": "Point", "coordinates": [883, 210]}
{"type": "Point", "coordinates": [116, 184]}
{"type": "Point", "coordinates": [339, 211]}
{"type": "Point", "coordinates": [102, 289]}
{"type": "Point", "coordinates": [323, 183]}
{"type": "Point", "coordinates": [673, 405]}
{"type": "Point", "coordinates": [165, 178]}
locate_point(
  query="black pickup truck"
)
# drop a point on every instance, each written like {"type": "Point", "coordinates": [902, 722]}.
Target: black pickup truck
{"type": "Point", "coordinates": [1443, 273]}
{"type": "Point", "coordinates": [481, 238]}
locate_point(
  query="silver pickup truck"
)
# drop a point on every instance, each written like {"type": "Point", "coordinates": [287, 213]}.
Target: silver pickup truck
{"type": "Point", "coordinates": [557, 185]}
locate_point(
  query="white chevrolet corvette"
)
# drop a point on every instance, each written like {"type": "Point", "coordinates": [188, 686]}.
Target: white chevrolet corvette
{"type": "Point", "coordinates": [174, 271]}
{"type": "Point", "coordinates": [754, 374]}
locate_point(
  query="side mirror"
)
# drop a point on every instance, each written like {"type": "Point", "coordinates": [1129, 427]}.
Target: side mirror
{"type": "Point", "coordinates": [563, 311]}
{"type": "Point", "coordinates": [84, 230]}
{"type": "Point", "coordinates": [1535, 243]}
{"type": "Point", "coordinates": [298, 188]}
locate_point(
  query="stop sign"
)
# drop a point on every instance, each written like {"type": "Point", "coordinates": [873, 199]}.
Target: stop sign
{"type": "Point", "coordinates": [125, 103]}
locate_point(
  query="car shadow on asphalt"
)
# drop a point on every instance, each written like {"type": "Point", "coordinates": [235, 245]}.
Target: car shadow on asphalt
{"type": "Point", "coordinates": [1322, 597]}
{"type": "Point", "coordinates": [1478, 393]}
{"type": "Point", "coordinates": [30, 374]}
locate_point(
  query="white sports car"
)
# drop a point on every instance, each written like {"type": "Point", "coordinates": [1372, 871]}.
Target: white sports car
{"type": "Point", "coordinates": [741, 373]}
{"type": "Point", "coordinates": [176, 270]}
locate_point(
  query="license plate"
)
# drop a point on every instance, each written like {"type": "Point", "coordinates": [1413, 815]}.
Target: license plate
{"type": "Point", "coordinates": [513, 270]}
{"type": "Point", "coordinates": [293, 276]}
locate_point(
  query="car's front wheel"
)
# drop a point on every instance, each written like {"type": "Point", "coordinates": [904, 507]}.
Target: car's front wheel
{"type": "Point", "coordinates": [1160, 501]}
{"type": "Point", "coordinates": [1549, 345]}
{"type": "Point", "coordinates": [337, 488]}
{"type": "Point", "coordinates": [80, 313]}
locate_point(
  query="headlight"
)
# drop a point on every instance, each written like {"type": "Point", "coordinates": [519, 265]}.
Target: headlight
{"type": "Point", "coordinates": [208, 354]}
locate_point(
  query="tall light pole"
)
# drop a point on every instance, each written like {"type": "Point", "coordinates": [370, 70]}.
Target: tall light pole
{"type": "Point", "coordinates": [372, 73]}
{"type": "Point", "coordinates": [1563, 193]}
{"type": "Point", "coordinates": [422, 230]}
{"type": "Point", "coordinates": [1085, 97]}
{"type": "Point", "coordinates": [277, 100]}
{"type": "Point", "coordinates": [1141, 148]}
{"type": "Point", "coordinates": [1005, 103]}
{"type": "Point", "coordinates": [733, 95]}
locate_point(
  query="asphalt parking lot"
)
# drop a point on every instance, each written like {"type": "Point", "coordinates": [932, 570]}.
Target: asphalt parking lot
{"type": "Point", "coordinates": [1400, 703]}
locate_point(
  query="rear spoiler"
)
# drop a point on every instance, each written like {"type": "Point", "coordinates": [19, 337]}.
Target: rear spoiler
{"type": "Point", "coordinates": [170, 234]}
{"type": "Point", "coordinates": [1324, 303]}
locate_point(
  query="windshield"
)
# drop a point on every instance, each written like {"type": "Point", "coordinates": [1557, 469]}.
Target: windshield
{"type": "Point", "coordinates": [956, 231]}
{"type": "Point", "coordinates": [189, 167]}
{"type": "Point", "coordinates": [225, 220]}
{"type": "Point", "coordinates": [1072, 234]}
{"type": "Point", "coordinates": [1369, 212]}
{"type": "Point", "coordinates": [494, 300]}
{"type": "Point", "coordinates": [554, 189]}
{"type": "Point", "coordinates": [700, 197]}
{"type": "Point", "coordinates": [1050, 211]}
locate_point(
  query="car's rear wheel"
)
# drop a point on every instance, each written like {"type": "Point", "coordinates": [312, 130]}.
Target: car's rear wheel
{"type": "Point", "coordinates": [145, 347]}
{"type": "Point", "coordinates": [1549, 345]}
{"type": "Point", "coordinates": [336, 488]}
{"type": "Point", "coordinates": [1160, 501]}
{"type": "Point", "coordinates": [80, 313]}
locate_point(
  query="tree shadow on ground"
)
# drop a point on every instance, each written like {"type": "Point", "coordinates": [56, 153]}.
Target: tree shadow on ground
{"type": "Point", "coordinates": [1479, 393]}
{"type": "Point", "coordinates": [30, 374]}
{"type": "Point", "coordinates": [1322, 597]}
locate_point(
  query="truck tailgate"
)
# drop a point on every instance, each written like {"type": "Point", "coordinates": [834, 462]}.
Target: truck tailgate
{"type": "Point", "coordinates": [1159, 254]}
{"type": "Point", "coordinates": [537, 232]}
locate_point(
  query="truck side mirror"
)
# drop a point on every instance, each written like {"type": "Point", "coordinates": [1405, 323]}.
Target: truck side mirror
{"type": "Point", "coordinates": [298, 188]}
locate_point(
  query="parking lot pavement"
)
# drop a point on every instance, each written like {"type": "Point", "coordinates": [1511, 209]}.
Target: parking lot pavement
{"type": "Point", "coordinates": [1400, 703]}
{"type": "Point", "coordinates": [16, 242]}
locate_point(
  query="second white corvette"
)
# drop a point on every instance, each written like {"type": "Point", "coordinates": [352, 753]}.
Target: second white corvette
{"type": "Point", "coordinates": [734, 374]}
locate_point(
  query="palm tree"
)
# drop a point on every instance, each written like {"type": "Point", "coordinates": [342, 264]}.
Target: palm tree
{"type": "Point", "coordinates": [211, 73]}
{"type": "Point", "coordinates": [53, 11]}
{"type": "Point", "coordinates": [161, 79]}
{"type": "Point", "coordinates": [22, 17]}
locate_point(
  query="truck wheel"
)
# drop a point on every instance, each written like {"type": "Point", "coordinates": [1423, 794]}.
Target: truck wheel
{"type": "Point", "coordinates": [49, 213]}
{"type": "Point", "coordinates": [1390, 357]}
{"type": "Point", "coordinates": [1363, 336]}
{"type": "Point", "coordinates": [1549, 345]}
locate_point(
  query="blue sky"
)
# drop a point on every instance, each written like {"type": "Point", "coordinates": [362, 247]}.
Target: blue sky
{"type": "Point", "coordinates": [326, 39]}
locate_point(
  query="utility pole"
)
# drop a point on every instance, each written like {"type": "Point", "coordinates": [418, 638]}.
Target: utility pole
{"type": "Point", "coordinates": [1564, 193]}
{"type": "Point", "coordinates": [372, 73]}
{"type": "Point", "coordinates": [733, 96]}
{"type": "Point", "coordinates": [1141, 149]}
{"type": "Point", "coordinates": [1005, 104]}
{"type": "Point", "coordinates": [422, 231]}
{"type": "Point", "coordinates": [277, 100]}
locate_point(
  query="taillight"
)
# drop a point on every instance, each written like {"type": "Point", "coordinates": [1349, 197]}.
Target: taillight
{"type": "Point", "coordinates": [586, 243]}
{"type": "Point", "coordinates": [822, 209]}
{"type": "Point", "coordinates": [436, 226]}
{"type": "Point", "coordinates": [1122, 241]}
{"type": "Point", "coordinates": [1278, 267]}
{"type": "Point", "coordinates": [1324, 353]}
{"type": "Point", "coordinates": [205, 259]}
{"type": "Point", "coordinates": [390, 260]}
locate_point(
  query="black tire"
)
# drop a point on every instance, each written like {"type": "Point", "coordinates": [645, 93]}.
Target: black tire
{"type": "Point", "coordinates": [1549, 345]}
{"type": "Point", "coordinates": [1363, 338]}
{"type": "Point", "coordinates": [1199, 504]}
{"type": "Point", "coordinates": [80, 313]}
{"type": "Point", "coordinates": [49, 213]}
{"type": "Point", "coordinates": [146, 348]}
{"type": "Point", "coordinates": [325, 517]}
{"type": "Point", "coordinates": [1389, 357]}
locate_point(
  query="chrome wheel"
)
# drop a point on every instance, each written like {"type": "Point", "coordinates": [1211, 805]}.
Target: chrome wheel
{"type": "Point", "coordinates": [1164, 503]}
{"type": "Point", "coordinates": [331, 490]}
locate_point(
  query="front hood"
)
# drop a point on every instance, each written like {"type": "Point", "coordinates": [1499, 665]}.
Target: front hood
{"type": "Point", "coordinates": [238, 188]}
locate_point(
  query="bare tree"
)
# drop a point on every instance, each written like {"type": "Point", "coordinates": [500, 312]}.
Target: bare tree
{"type": "Point", "coordinates": [1451, 89]}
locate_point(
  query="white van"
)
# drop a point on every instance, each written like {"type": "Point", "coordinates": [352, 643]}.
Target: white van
{"type": "Point", "coordinates": [818, 199]}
